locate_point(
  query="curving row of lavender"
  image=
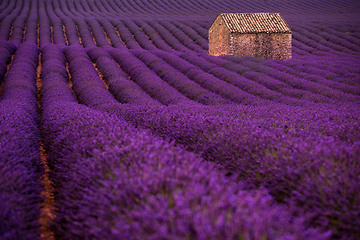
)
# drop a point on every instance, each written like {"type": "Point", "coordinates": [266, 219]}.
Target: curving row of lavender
{"type": "Point", "coordinates": [20, 165]}
{"type": "Point", "coordinates": [149, 137]}
{"type": "Point", "coordinates": [127, 183]}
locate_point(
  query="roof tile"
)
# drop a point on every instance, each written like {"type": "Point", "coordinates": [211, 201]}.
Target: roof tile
{"type": "Point", "coordinates": [255, 22]}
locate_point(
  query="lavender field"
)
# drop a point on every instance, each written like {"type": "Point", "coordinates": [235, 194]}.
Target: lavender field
{"type": "Point", "coordinates": [116, 123]}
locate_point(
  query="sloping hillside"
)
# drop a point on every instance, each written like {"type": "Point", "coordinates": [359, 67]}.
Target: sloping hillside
{"type": "Point", "coordinates": [116, 123]}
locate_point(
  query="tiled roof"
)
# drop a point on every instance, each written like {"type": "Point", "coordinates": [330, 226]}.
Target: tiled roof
{"type": "Point", "coordinates": [255, 22]}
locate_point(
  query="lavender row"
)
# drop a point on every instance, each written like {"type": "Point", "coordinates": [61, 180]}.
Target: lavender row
{"type": "Point", "coordinates": [207, 80]}
{"type": "Point", "coordinates": [253, 82]}
{"type": "Point", "coordinates": [84, 147]}
{"type": "Point", "coordinates": [316, 41]}
{"type": "Point", "coordinates": [62, 6]}
{"type": "Point", "coordinates": [8, 19]}
{"type": "Point", "coordinates": [198, 39]}
{"type": "Point", "coordinates": [178, 80]}
{"type": "Point", "coordinates": [331, 41]}
{"type": "Point", "coordinates": [155, 38]}
{"type": "Point", "coordinates": [80, 8]}
{"type": "Point", "coordinates": [125, 35]}
{"type": "Point", "coordinates": [115, 39]}
{"type": "Point", "coordinates": [57, 30]}
{"type": "Point", "coordinates": [93, 7]}
{"type": "Point", "coordinates": [7, 49]}
{"type": "Point", "coordinates": [343, 36]}
{"type": "Point", "coordinates": [55, 77]}
{"type": "Point", "coordinates": [45, 34]}
{"type": "Point", "coordinates": [285, 155]}
{"type": "Point", "coordinates": [149, 6]}
{"type": "Point", "coordinates": [343, 42]}
{"type": "Point", "coordinates": [190, 8]}
{"type": "Point", "coordinates": [19, 82]}
{"type": "Point", "coordinates": [106, 7]}
{"type": "Point", "coordinates": [197, 28]}
{"type": "Point", "coordinates": [70, 31]}
{"type": "Point", "coordinates": [139, 35]}
{"type": "Point", "coordinates": [293, 81]}
{"type": "Point", "coordinates": [329, 67]}
{"type": "Point", "coordinates": [124, 7]}
{"type": "Point", "coordinates": [324, 74]}
{"type": "Point", "coordinates": [32, 24]}
{"type": "Point", "coordinates": [137, 8]}
{"type": "Point", "coordinates": [20, 165]}
{"type": "Point", "coordinates": [182, 37]}
{"type": "Point", "coordinates": [167, 7]}
{"type": "Point", "coordinates": [127, 184]}
{"type": "Point", "coordinates": [6, 8]}
{"type": "Point", "coordinates": [89, 88]}
{"type": "Point", "coordinates": [75, 26]}
{"type": "Point", "coordinates": [147, 79]}
{"type": "Point", "coordinates": [59, 6]}
{"type": "Point", "coordinates": [17, 33]}
{"type": "Point", "coordinates": [300, 49]}
{"type": "Point", "coordinates": [168, 37]}
{"type": "Point", "coordinates": [86, 38]}
{"type": "Point", "coordinates": [89, 8]}
{"type": "Point", "coordinates": [72, 8]}
{"type": "Point", "coordinates": [98, 33]}
{"type": "Point", "coordinates": [120, 86]}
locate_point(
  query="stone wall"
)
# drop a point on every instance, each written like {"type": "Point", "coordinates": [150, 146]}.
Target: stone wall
{"type": "Point", "coordinates": [262, 45]}
{"type": "Point", "coordinates": [219, 38]}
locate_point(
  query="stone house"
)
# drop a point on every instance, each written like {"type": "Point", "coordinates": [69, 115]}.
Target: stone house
{"type": "Point", "coordinates": [263, 35]}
